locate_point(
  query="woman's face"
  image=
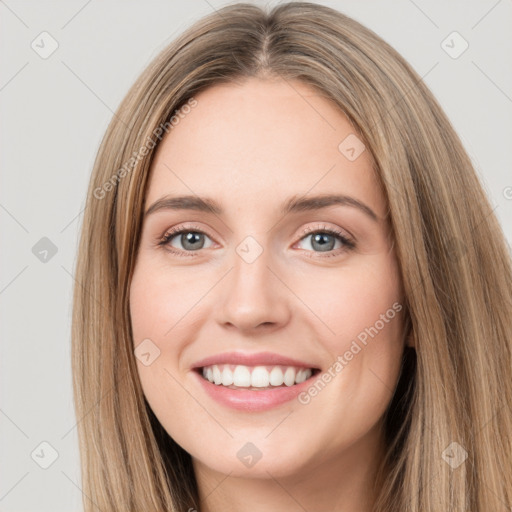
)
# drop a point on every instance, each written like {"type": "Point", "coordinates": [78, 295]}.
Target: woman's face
{"type": "Point", "coordinates": [258, 285]}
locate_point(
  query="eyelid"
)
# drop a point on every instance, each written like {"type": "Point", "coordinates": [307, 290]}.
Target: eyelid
{"type": "Point", "coordinates": [348, 240]}
{"type": "Point", "coordinates": [176, 230]}
{"type": "Point", "coordinates": [323, 226]}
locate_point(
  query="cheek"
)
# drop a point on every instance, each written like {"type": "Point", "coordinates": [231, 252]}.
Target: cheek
{"type": "Point", "coordinates": [356, 303]}
{"type": "Point", "coordinates": [155, 310]}
{"type": "Point", "coordinates": [160, 300]}
{"type": "Point", "coordinates": [361, 317]}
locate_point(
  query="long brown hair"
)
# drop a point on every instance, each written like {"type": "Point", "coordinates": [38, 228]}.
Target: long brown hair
{"type": "Point", "coordinates": [453, 398]}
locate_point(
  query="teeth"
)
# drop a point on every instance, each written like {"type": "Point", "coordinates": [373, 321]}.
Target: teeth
{"type": "Point", "coordinates": [255, 376]}
{"type": "Point", "coordinates": [260, 377]}
{"type": "Point", "coordinates": [241, 376]}
{"type": "Point", "coordinates": [289, 376]}
{"type": "Point", "coordinates": [227, 376]}
{"type": "Point", "coordinates": [301, 376]}
{"type": "Point", "coordinates": [276, 376]}
{"type": "Point", "coordinates": [217, 376]}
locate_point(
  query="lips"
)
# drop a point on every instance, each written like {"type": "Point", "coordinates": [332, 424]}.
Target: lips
{"type": "Point", "coordinates": [256, 359]}
{"type": "Point", "coordinates": [253, 382]}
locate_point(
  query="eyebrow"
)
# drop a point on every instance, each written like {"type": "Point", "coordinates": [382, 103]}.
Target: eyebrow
{"type": "Point", "coordinates": [292, 205]}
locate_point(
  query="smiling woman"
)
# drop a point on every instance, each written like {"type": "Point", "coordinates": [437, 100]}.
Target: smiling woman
{"type": "Point", "coordinates": [299, 297]}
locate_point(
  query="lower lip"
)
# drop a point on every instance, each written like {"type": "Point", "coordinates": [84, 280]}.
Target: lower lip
{"type": "Point", "coordinates": [247, 400]}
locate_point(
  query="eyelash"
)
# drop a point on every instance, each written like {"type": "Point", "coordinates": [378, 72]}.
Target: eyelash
{"type": "Point", "coordinates": [348, 243]}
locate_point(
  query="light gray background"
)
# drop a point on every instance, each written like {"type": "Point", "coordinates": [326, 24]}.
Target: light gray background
{"type": "Point", "coordinates": [54, 113]}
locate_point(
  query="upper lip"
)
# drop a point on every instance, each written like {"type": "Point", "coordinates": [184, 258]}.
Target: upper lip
{"type": "Point", "coordinates": [254, 359]}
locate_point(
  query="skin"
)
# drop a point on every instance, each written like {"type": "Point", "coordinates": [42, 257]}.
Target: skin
{"type": "Point", "coordinates": [251, 146]}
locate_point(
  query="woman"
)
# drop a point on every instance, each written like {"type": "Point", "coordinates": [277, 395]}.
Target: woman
{"type": "Point", "coordinates": [293, 291]}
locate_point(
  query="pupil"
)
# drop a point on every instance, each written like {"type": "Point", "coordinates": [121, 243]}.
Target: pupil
{"type": "Point", "coordinates": [320, 238]}
{"type": "Point", "coordinates": [190, 238]}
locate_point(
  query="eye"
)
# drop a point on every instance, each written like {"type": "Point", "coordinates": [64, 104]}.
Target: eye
{"type": "Point", "coordinates": [191, 239]}
{"type": "Point", "coordinates": [323, 239]}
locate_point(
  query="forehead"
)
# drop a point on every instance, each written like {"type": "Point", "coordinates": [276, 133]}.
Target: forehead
{"type": "Point", "coordinates": [261, 139]}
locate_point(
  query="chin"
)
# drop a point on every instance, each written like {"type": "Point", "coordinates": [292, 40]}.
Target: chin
{"type": "Point", "coordinates": [246, 459]}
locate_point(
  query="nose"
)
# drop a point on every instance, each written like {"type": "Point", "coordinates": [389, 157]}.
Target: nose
{"type": "Point", "coordinates": [254, 296]}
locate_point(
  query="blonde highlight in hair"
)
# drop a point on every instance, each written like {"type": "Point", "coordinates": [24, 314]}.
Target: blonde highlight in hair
{"type": "Point", "coordinates": [455, 384]}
